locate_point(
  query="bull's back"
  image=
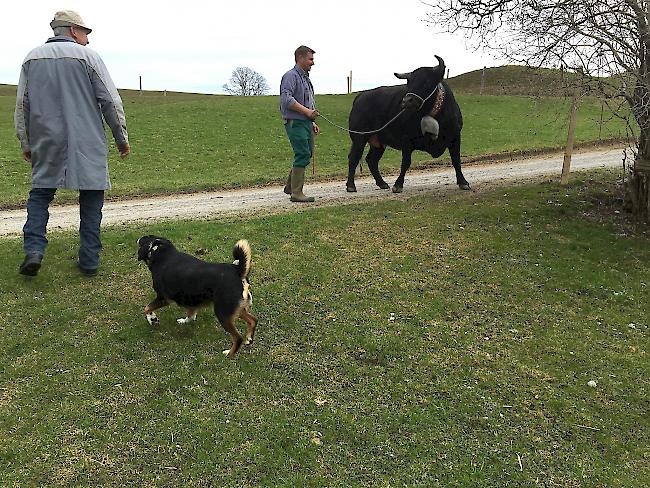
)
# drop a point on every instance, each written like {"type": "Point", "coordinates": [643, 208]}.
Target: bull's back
{"type": "Point", "coordinates": [371, 109]}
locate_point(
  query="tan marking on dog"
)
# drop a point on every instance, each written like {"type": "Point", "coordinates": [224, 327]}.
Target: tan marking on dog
{"type": "Point", "coordinates": [237, 338]}
{"type": "Point", "coordinates": [245, 247]}
{"type": "Point", "coordinates": [246, 290]}
{"type": "Point", "coordinates": [251, 324]}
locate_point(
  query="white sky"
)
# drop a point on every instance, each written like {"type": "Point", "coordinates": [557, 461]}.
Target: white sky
{"type": "Point", "coordinates": [194, 45]}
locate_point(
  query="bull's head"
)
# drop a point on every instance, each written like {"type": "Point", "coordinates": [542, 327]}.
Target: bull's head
{"type": "Point", "coordinates": [420, 84]}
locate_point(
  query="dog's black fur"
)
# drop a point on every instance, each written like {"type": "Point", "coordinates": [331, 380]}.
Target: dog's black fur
{"type": "Point", "coordinates": [193, 283]}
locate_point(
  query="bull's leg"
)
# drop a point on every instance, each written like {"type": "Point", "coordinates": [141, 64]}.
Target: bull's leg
{"type": "Point", "coordinates": [454, 153]}
{"type": "Point", "coordinates": [356, 152]}
{"type": "Point", "coordinates": [372, 158]}
{"type": "Point", "coordinates": [406, 164]}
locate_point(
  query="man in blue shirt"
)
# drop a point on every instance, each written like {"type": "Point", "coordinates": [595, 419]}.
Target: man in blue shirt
{"type": "Point", "coordinates": [297, 106]}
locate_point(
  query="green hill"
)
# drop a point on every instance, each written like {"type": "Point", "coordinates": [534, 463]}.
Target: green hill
{"type": "Point", "coordinates": [513, 80]}
{"type": "Point", "coordinates": [501, 80]}
{"type": "Point", "coordinates": [7, 90]}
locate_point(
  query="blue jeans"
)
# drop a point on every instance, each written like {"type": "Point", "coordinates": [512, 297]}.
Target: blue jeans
{"type": "Point", "coordinates": [90, 219]}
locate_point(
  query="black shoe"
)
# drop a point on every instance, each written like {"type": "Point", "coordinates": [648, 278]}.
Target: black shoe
{"type": "Point", "coordinates": [31, 264]}
{"type": "Point", "coordinates": [87, 271]}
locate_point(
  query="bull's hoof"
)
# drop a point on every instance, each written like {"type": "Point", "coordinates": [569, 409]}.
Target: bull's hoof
{"type": "Point", "coordinates": [464, 186]}
{"type": "Point", "coordinates": [383, 185]}
{"type": "Point", "coordinates": [398, 189]}
{"type": "Point", "coordinates": [351, 188]}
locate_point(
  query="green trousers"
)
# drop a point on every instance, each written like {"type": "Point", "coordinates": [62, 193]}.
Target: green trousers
{"type": "Point", "coordinates": [301, 136]}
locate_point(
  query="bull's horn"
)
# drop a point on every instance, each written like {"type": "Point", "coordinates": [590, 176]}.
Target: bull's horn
{"type": "Point", "coordinates": [441, 62]}
{"type": "Point", "coordinates": [403, 76]}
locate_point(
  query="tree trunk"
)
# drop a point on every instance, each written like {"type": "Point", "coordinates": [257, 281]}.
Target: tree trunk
{"type": "Point", "coordinates": [638, 185]}
{"type": "Point", "coordinates": [638, 189]}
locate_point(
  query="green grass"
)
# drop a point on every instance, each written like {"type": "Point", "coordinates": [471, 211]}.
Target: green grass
{"type": "Point", "coordinates": [185, 143]}
{"type": "Point", "coordinates": [505, 305]}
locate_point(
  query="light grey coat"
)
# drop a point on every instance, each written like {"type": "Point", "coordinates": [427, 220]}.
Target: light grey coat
{"type": "Point", "coordinates": [64, 90]}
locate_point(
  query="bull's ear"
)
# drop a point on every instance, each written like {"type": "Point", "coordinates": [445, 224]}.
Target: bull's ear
{"type": "Point", "coordinates": [403, 76]}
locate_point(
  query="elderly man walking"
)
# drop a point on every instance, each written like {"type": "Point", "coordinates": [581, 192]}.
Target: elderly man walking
{"type": "Point", "coordinates": [297, 106]}
{"type": "Point", "coordinates": [63, 92]}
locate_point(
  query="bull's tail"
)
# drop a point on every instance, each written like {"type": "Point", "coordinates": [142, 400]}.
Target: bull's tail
{"type": "Point", "coordinates": [242, 254]}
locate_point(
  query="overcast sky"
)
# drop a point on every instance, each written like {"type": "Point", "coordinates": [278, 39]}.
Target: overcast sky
{"type": "Point", "coordinates": [194, 45]}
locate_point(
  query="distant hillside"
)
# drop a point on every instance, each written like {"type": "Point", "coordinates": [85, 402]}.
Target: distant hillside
{"type": "Point", "coordinates": [513, 80]}
{"type": "Point", "coordinates": [502, 80]}
{"type": "Point", "coordinates": [8, 90]}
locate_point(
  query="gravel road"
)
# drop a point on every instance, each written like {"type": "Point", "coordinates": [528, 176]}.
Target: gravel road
{"type": "Point", "coordinates": [273, 200]}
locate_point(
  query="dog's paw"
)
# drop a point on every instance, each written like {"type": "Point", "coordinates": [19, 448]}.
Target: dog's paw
{"type": "Point", "coordinates": [187, 320]}
{"type": "Point", "coordinates": [226, 352]}
{"type": "Point", "coordinates": [153, 319]}
{"type": "Point", "coordinates": [248, 341]}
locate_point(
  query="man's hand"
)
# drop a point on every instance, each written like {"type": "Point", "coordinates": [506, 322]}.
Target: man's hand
{"type": "Point", "coordinates": [124, 149]}
{"type": "Point", "coordinates": [27, 156]}
{"type": "Point", "coordinates": [312, 114]}
{"type": "Point", "coordinates": [315, 128]}
{"type": "Point", "coordinates": [307, 112]}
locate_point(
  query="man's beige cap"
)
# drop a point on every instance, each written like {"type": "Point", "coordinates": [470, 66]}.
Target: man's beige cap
{"type": "Point", "coordinates": [67, 18]}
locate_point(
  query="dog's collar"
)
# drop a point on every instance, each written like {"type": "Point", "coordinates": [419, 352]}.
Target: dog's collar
{"type": "Point", "coordinates": [153, 246]}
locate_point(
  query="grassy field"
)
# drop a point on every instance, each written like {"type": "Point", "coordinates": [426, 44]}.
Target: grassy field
{"type": "Point", "coordinates": [420, 343]}
{"type": "Point", "coordinates": [185, 143]}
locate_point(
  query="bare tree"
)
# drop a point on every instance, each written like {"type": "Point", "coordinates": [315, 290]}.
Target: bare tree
{"type": "Point", "coordinates": [246, 82]}
{"type": "Point", "coordinates": [605, 42]}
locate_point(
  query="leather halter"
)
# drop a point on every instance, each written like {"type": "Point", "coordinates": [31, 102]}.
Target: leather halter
{"type": "Point", "coordinates": [439, 101]}
{"type": "Point", "coordinates": [435, 110]}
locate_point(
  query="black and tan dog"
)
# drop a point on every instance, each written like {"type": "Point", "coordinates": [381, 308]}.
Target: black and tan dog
{"type": "Point", "coordinates": [193, 283]}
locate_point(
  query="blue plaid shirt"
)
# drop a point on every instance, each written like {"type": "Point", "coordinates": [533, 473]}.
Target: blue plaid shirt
{"type": "Point", "coordinates": [296, 87]}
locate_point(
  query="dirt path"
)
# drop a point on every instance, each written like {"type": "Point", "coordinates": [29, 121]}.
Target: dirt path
{"type": "Point", "coordinates": [273, 200]}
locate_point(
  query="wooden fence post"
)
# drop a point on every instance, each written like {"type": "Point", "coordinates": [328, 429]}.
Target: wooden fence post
{"type": "Point", "coordinates": [568, 151]}
{"type": "Point", "coordinates": [482, 80]}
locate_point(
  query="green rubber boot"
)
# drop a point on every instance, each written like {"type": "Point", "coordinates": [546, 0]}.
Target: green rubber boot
{"type": "Point", "coordinates": [287, 187]}
{"type": "Point", "coordinates": [297, 182]}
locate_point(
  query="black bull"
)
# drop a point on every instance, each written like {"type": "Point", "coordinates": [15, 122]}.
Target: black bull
{"type": "Point", "coordinates": [372, 109]}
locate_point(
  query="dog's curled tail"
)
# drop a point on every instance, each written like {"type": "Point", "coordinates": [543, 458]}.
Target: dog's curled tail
{"type": "Point", "coordinates": [242, 254]}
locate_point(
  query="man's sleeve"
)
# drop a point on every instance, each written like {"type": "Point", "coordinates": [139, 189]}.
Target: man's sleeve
{"type": "Point", "coordinates": [109, 101]}
{"type": "Point", "coordinates": [287, 89]}
{"type": "Point", "coordinates": [21, 114]}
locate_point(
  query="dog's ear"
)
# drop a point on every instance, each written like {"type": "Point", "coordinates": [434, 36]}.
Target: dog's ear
{"type": "Point", "coordinates": [143, 251]}
{"type": "Point", "coordinates": [143, 247]}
